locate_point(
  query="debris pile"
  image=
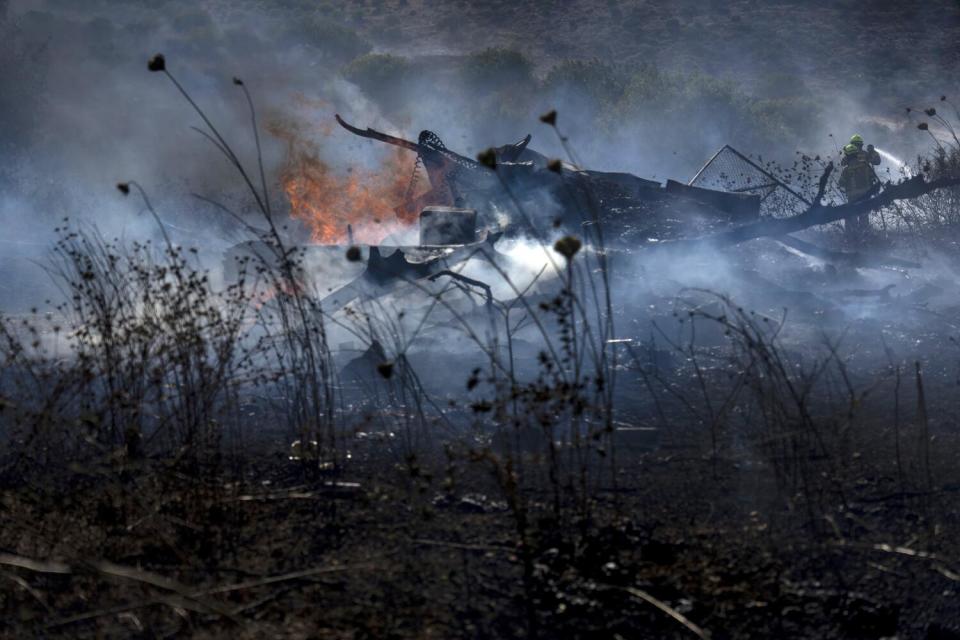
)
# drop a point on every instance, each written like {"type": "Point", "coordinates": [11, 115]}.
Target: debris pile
{"type": "Point", "coordinates": [683, 234]}
{"type": "Point", "coordinates": [469, 205]}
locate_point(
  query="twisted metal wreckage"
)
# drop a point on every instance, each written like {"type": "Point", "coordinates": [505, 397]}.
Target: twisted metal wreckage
{"type": "Point", "coordinates": [459, 218]}
{"type": "Point", "coordinates": [731, 199]}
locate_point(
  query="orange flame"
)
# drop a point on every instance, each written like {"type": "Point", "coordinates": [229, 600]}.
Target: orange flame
{"type": "Point", "coordinates": [327, 202]}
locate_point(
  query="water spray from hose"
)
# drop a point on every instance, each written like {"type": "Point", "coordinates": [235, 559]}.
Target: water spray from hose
{"type": "Point", "coordinates": [895, 161]}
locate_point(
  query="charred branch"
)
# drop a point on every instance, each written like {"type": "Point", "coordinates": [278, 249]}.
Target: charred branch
{"type": "Point", "coordinates": [820, 215]}
{"type": "Point", "coordinates": [373, 134]}
{"type": "Point", "coordinates": [824, 179]}
{"type": "Point", "coordinates": [464, 279]}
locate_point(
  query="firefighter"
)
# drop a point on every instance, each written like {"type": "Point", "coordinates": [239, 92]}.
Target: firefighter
{"type": "Point", "coordinates": [858, 178]}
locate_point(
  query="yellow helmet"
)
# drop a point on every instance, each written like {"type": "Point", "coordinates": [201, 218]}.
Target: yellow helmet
{"type": "Point", "coordinates": [856, 139]}
{"type": "Point", "coordinates": [850, 149]}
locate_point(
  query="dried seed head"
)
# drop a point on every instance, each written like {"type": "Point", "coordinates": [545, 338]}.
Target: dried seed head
{"type": "Point", "coordinates": [353, 254]}
{"type": "Point", "coordinates": [473, 380]}
{"type": "Point", "coordinates": [157, 63]}
{"type": "Point", "coordinates": [124, 188]}
{"type": "Point", "coordinates": [385, 369]}
{"type": "Point", "coordinates": [237, 81]}
{"type": "Point", "coordinates": [482, 406]}
{"type": "Point", "coordinates": [567, 246]}
{"type": "Point", "coordinates": [550, 117]}
{"type": "Point", "coordinates": [930, 112]}
{"type": "Point", "coordinates": [488, 158]}
{"type": "Point", "coordinates": [555, 165]}
{"type": "Point", "coordinates": [923, 126]}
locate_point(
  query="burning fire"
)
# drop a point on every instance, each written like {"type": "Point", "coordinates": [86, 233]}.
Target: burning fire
{"type": "Point", "coordinates": [327, 202]}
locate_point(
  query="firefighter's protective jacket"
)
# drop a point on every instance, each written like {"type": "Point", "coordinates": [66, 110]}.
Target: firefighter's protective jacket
{"type": "Point", "coordinates": [857, 177]}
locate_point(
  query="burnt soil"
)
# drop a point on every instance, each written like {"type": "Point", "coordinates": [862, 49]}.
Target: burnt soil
{"type": "Point", "coordinates": [175, 550]}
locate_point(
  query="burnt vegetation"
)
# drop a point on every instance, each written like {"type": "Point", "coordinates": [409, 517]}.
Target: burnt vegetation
{"type": "Point", "coordinates": [184, 457]}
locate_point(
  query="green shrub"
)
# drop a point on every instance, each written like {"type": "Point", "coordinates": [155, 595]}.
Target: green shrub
{"type": "Point", "coordinates": [331, 40]}
{"type": "Point", "coordinates": [591, 82]}
{"type": "Point", "coordinates": [382, 77]}
{"type": "Point", "coordinates": [669, 101]}
{"type": "Point", "coordinates": [494, 69]}
{"type": "Point", "coordinates": [687, 115]}
{"type": "Point", "coordinates": [783, 119]}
